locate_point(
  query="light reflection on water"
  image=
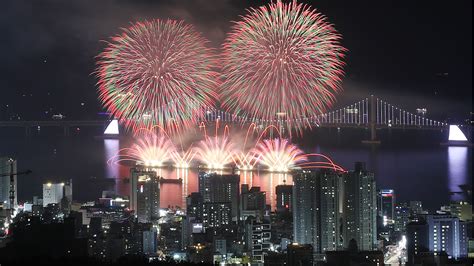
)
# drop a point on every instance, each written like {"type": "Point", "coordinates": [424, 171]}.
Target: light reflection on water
{"type": "Point", "coordinates": [457, 168]}
{"type": "Point", "coordinates": [172, 194]}
{"type": "Point", "coordinates": [390, 173]}
{"type": "Point", "coordinates": [112, 147]}
{"type": "Point", "coordinates": [417, 172]}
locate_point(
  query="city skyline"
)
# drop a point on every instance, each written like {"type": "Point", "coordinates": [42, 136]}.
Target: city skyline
{"type": "Point", "coordinates": [226, 132]}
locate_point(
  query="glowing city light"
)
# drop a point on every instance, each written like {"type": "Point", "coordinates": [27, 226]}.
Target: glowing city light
{"type": "Point", "coordinates": [112, 128]}
{"type": "Point", "coordinates": [455, 134]}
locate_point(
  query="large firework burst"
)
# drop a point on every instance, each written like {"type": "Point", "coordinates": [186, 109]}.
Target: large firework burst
{"type": "Point", "coordinates": [157, 73]}
{"type": "Point", "coordinates": [216, 152]}
{"type": "Point", "coordinates": [279, 155]}
{"type": "Point", "coordinates": [281, 62]}
{"type": "Point", "coordinates": [151, 150]}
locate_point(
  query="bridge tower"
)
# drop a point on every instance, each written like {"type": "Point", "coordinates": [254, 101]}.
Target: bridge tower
{"type": "Point", "coordinates": [372, 112]}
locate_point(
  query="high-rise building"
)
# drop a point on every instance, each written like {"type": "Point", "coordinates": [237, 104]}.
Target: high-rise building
{"type": "Point", "coordinates": [208, 214]}
{"type": "Point", "coordinates": [150, 242]}
{"type": "Point", "coordinates": [194, 205]}
{"type": "Point", "coordinates": [462, 210]}
{"type": "Point", "coordinates": [437, 233]}
{"type": "Point", "coordinates": [7, 166]}
{"type": "Point", "coordinates": [220, 248]}
{"type": "Point", "coordinates": [145, 195]}
{"type": "Point", "coordinates": [386, 205]}
{"type": "Point", "coordinates": [220, 251]}
{"type": "Point", "coordinates": [447, 234]}
{"type": "Point", "coordinates": [402, 216]}
{"type": "Point", "coordinates": [317, 206]}
{"type": "Point", "coordinates": [217, 214]}
{"type": "Point", "coordinates": [284, 194]}
{"type": "Point", "coordinates": [205, 185]}
{"type": "Point", "coordinates": [252, 202]}
{"type": "Point", "coordinates": [416, 207]}
{"type": "Point", "coordinates": [360, 209]}
{"type": "Point", "coordinates": [417, 239]}
{"type": "Point", "coordinates": [305, 218]}
{"type": "Point", "coordinates": [331, 206]}
{"type": "Point", "coordinates": [53, 193]}
{"type": "Point", "coordinates": [257, 237]}
{"type": "Point", "coordinates": [217, 188]}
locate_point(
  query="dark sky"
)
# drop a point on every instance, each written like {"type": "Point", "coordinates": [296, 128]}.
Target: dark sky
{"type": "Point", "coordinates": [411, 53]}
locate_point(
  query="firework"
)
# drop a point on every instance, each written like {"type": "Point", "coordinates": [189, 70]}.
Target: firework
{"type": "Point", "coordinates": [245, 160]}
{"type": "Point", "coordinates": [216, 152]}
{"type": "Point", "coordinates": [183, 159]}
{"type": "Point", "coordinates": [149, 149]}
{"type": "Point", "coordinates": [278, 155]}
{"type": "Point", "coordinates": [154, 148]}
{"type": "Point", "coordinates": [157, 73]}
{"type": "Point", "coordinates": [316, 163]}
{"type": "Point", "coordinates": [281, 63]}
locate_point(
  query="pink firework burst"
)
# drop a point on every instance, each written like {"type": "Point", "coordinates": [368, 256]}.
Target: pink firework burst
{"type": "Point", "coordinates": [281, 62]}
{"type": "Point", "coordinates": [150, 149]}
{"type": "Point", "coordinates": [157, 73]}
{"type": "Point", "coordinates": [216, 152]}
{"type": "Point", "coordinates": [279, 155]}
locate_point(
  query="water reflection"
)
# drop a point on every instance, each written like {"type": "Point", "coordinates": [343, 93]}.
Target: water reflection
{"type": "Point", "coordinates": [449, 168]}
{"type": "Point", "coordinates": [174, 194]}
{"type": "Point", "coordinates": [112, 147]}
{"type": "Point", "coordinates": [457, 170]}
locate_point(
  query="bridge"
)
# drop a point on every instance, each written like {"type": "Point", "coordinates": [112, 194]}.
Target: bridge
{"type": "Point", "coordinates": [65, 124]}
{"type": "Point", "coordinates": [371, 113]}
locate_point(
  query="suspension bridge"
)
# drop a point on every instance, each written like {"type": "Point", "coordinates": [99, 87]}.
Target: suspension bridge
{"type": "Point", "coordinates": [370, 113]}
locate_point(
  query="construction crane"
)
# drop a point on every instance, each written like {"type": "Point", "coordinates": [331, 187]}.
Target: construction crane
{"type": "Point", "coordinates": [12, 184]}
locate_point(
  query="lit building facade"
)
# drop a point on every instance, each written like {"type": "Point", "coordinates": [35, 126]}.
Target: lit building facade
{"type": "Point", "coordinates": [258, 239]}
{"type": "Point", "coordinates": [53, 193]}
{"type": "Point", "coordinates": [217, 188]}
{"type": "Point", "coordinates": [386, 205]}
{"type": "Point", "coordinates": [145, 195]}
{"type": "Point", "coordinates": [447, 234]}
{"type": "Point", "coordinates": [317, 210]}
{"type": "Point", "coordinates": [217, 214]}
{"type": "Point", "coordinates": [252, 202]}
{"type": "Point", "coordinates": [360, 210]}
{"type": "Point", "coordinates": [402, 217]}
{"type": "Point", "coordinates": [7, 166]}
{"type": "Point", "coordinates": [437, 233]}
{"type": "Point", "coordinates": [284, 198]}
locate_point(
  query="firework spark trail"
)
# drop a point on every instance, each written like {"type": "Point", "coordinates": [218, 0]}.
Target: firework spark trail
{"type": "Point", "coordinates": [278, 155]}
{"type": "Point", "coordinates": [150, 150]}
{"type": "Point", "coordinates": [283, 60]}
{"type": "Point", "coordinates": [183, 159]}
{"type": "Point", "coordinates": [154, 148]}
{"type": "Point", "coordinates": [317, 164]}
{"type": "Point", "coordinates": [216, 152]}
{"type": "Point", "coordinates": [157, 73]}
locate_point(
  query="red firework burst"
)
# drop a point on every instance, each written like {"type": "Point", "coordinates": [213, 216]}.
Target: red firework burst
{"type": "Point", "coordinates": [281, 62]}
{"type": "Point", "coordinates": [157, 73]}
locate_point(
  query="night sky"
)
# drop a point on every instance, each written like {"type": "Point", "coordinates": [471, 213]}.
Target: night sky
{"type": "Point", "coordinates": [411, 53]}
